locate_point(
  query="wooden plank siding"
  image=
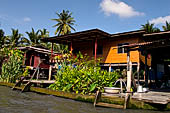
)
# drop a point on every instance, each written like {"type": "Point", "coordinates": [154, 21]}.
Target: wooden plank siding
{"type": "Point", "coordinates": [110, 50]}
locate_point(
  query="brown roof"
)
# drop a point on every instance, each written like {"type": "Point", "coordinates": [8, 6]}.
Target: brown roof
{"type": "Point", "coordinates": [88, 35]}
{"type": "Point", "coordinates": [150, 44]}
{"type": "Point", "coordinates": [157, 34]}
{"type": "Point", "coordinates": [128, 33]}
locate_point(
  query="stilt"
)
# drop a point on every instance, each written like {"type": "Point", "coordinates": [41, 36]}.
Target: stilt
{"type": "Point", "coordinates": [50, 68]}
{"type": "Point", "coordinates": [127, 98]}
{"type": "Point", "coordinates": [95, 51]}
{"type": "Point", "coordinates": [97, 97]}
{"type": "Point", "coordinates": [110, 67]}
{"type": "Point", "coordinates": [50, 71]}
{"type": "Point", "coordinates": [146, 70]}
{"type": "Point", "coordinates": [138, 68]}
{"type": "Point", "coordinates": [129, 72]}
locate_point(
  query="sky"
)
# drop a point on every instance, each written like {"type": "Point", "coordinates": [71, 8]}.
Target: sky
{"type": "Point", "coordinates": [112, 16]}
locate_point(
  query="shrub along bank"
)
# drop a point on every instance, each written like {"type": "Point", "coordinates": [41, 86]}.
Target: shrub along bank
{"type": "Point", "coordinates": [81, 75]}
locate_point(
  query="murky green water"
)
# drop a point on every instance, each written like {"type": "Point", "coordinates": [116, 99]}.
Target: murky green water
{"type": "Point", "coordinates": [17, 102]}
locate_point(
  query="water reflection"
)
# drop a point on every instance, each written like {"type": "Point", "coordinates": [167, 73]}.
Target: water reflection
{"type": "Point", "coordinates": [17, 102]}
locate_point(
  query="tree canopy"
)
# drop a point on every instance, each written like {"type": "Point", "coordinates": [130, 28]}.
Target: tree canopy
{"type": "Point", "coordinates": [149, 28]}
{"type": "Point", "coordinates": [166, 27]}
{"type": "Point", "coordinates": [65, 23]}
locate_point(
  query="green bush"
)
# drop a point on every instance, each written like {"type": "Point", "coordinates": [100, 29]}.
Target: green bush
{"type": "Point", "coordinates": [81, 75]}
{"type": "Point", "coordinates": [11, 68]}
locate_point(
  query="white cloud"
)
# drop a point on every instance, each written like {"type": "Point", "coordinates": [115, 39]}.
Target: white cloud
{"type": "Point", "coordinates": [27, 19]}
{"type": "Point", "coordinates": [160, 20]}
{"type": "Point", "coordinates": [120, 8]}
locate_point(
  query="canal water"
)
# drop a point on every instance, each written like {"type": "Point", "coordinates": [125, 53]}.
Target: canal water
{"type": "Point", "coordinates": [29, 102]}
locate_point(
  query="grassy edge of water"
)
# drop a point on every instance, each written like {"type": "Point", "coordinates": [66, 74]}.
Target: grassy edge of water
{"type": "Point", "coordinates": [133, 104]}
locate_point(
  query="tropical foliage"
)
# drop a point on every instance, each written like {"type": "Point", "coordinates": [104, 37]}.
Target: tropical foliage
{"type": "Point", "coordinates": [81, 75]}
{"type": "Point", "coordinates": [65, 21]}
{"type": "Point", "coordinates": [11, 68]}
{"type": "Point", "coordinates": [34, 37]}
{"type": "Point", "coordinates": [149, 28]}
{"type": "Point", "coordinates": [166, 27]}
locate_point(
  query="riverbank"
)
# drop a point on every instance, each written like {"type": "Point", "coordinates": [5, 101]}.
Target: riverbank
{"type": "Point", "coordinates": [133, 103]}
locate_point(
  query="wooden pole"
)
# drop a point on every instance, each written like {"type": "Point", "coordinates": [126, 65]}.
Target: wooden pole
{"type": "Point", "coordinates": [110, 68]}
{"type": "Point", "coordinates": [138, 70]}
{"type": "Point", "coordinates": [52, 51]}
{"type": "Point", "coordinates": [146, 70]}
{"type": "Point", "coordinates": [71, 47]}
{"type": "Point", "coordinates": [95, 54]}
{"type": "Point", "coordinates": [129, 72]}
{"type": "Point", "coordinates": [50, 68]}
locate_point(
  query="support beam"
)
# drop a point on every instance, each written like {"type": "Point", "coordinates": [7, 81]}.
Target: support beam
{"type": "Point", "coordinates": [50, 68]}
{"type": "Point", "coordinates": [138, 71]}
{"type": "Point", "coordinates": [52, 51]}
{"type": "Point", "coordinates": [129, 72]}
{"type": "Point", "coordinates": [110, 68]}
{"type": "Point", "coordinates": [95, 53]}
{"type": "Point", "coordinates": [71, 47]}
{"type": "Point", "coordinates": [146, 70]}
{"type": "Point", "coordinates": [50, 72]}
{"type": "Point", "coordinates": [128, 59]}
{"type": "Point", "coordinates": [129, 77]}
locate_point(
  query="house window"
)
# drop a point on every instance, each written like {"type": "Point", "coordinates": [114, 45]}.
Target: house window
{"type": "Point", "coordinates": [122, 49]}
{"type": "Point", "coordinates": [99, 50]}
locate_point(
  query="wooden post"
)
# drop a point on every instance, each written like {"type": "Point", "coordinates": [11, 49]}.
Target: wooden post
{"type": "Point", "coordinates": [138, 70]}
{"type": "Point", "coordinates": [110, 67]}
{"type": "Point", "coordinates": [128, 59]}
{"type": "Point", "coordinates": [129, 77]}
{"type": "Point", "coordinates": [50, 68]}
{"type": "Point", "coordinates": [71, 47]}
{"type": "Point", "coordinates": [95, 54]}
{"type": "Point", "coordinates": [146, 70]}
{"type": "Point", "coordinates": [129, 72]}
{"type": "Point", "coordinates": [52, 51]}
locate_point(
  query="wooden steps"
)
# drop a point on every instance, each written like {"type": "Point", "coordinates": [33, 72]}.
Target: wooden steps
{"type": "Point", "coordinates": [98, 97]}
{"type": "Point", "coordinates": [110, 105]}
{"type": "Point", "coordinates": [31, 80]}
{"type": "Point", "coordinates": [18, 83]}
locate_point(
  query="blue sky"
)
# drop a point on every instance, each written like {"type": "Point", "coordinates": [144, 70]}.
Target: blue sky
{"type": "Point", "coordinates": [112, 16]}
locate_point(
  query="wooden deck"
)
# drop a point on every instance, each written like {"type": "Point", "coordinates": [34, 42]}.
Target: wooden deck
{"type": "Point", "coordinates": [153, 97]}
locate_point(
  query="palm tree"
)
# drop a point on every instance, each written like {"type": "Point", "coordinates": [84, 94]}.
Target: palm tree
{"type": "Point", "coordinates": [65, 21]}
{"type": "Point", "coordinates": [167, 26]}
{"type": "Point", "coordinates": [24, 42]}
{"type": "Point", "coordinates": [15, 39]}
{"type": "Point", "coordinates": [34, 37]}
{"type": "Point", "coordinates": [149, 28]}
{"type": "Point", "coordinates": [44, 33]}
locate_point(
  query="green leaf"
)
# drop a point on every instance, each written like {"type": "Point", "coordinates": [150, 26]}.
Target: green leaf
{"type": "Point", "coordinates": [92, 87]}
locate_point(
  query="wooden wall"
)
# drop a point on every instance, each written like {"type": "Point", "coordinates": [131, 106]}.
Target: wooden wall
{"type": "Point", "coordinates": [110, 50]}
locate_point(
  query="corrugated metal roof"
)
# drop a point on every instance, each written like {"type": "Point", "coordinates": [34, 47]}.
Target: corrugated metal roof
{"type": "Point", "coordinates": [40, 50]}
